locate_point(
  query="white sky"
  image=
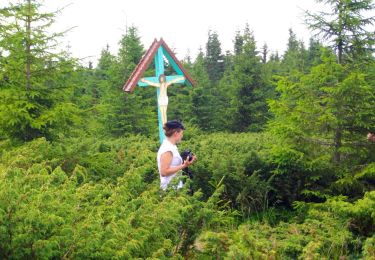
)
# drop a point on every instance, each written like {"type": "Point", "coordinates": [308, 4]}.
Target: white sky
{"type": "Point", "coordinates": [183, 25]}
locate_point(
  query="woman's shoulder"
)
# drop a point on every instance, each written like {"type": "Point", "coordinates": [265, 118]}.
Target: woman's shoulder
{"type": "Point", "coordinates": [166, 146]}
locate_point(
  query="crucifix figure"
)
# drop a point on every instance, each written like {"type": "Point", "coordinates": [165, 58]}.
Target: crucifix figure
{"type": "Point", "coordinates": [163, 97]}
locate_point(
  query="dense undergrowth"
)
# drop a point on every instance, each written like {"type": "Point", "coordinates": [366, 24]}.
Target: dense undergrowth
{"type": "Point", "coordinates": [90, 198]}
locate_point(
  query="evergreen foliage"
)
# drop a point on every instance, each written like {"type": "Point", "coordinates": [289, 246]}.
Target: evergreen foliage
{"type": "Point", "coordinates": [345, 28]}
{"type": "Point", "coordinates": [202, 99]}
{"type": "Point", "coordinates": [124, 113]}
{"type": "Point", "coordinates": [294, 58]}
{"type": "Point", "coordinates": [214, 59]}
{"type": "Point", "coordinates": [284, 169]}
{"type": "Point", "coordinates": [243, 87]}
{"type": "Point", "coordinates": [35, 85]}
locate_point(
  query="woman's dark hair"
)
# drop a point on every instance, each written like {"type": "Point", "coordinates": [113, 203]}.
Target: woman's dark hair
{"type": "Point", "coordinates": [172, 126]}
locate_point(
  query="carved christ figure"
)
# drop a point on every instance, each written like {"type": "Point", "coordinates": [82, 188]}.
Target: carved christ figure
{"type": "Point", "coordinates": [163, 97]}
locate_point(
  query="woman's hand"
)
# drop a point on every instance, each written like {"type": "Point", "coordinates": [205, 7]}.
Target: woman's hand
{"type": "Point", "coordinates": [187, 163]}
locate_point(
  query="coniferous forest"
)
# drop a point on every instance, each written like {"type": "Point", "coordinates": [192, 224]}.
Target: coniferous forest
{"type": "Point", "coordinates": [286, 159]}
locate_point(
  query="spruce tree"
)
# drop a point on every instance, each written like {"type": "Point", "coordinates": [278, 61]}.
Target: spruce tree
{"type": "Point", "coordinates": [314, 53]}
{"type": "Point", "coordinates": [35, 75]}
{"type": "Point", "coordinates": [238, 43]}
{"type": "Point", "coordinates": [214, 59]}
{"type": "Point", "coordinates": [313, 108]}
{"type": "Point", "coordinates": [264, 53]}
{"type": "Point", "coordinates": [125, 113]}
{"type": "Point", "coordinates": [294, 57]}
{"type": "Point", "coordinates": [209, 115]}
{"type": "Point", "coordinates": [243, 87]}
{"type": "Point", "coordinates": [130, 51]}
{"type": "Point", "coordinates": [201, 98]}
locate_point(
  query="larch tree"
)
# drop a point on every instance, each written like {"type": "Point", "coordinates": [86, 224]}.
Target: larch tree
{"type": "Point", "coordinates": [347, 28]}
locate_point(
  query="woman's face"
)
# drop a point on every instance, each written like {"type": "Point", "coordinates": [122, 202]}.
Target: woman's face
{"type": "Point", "coordinates": [179, 135]}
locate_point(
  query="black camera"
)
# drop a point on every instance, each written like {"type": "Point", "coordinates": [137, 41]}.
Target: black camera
{"type": "Point", "coordinates": [187, 155]}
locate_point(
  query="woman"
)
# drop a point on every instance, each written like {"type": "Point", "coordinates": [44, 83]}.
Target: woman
{"type": "Point", "coordinates": [163, 97]}
{"type": "Point", "coordinates": [169, 159]}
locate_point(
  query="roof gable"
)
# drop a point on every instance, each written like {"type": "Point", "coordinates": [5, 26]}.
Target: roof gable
{"type": "Point", "coordinates": [147, 59]}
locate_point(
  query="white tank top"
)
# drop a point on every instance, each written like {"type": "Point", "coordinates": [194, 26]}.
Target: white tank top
{"type": "Point", "coordinates": [167, 146]}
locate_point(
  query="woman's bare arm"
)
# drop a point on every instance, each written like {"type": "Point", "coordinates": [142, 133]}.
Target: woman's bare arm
{"type": "Point", "coordinates": [165, 164]}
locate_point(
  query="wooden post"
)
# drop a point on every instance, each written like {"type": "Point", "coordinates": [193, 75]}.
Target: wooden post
{"type": "Point", "coordinates": [159, 70]}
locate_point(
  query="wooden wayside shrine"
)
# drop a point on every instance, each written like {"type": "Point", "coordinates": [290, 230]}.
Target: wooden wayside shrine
{"type": "Point", "coordinates": [158, 51]}
{"type": "Point", "coordinates": [147, 59]}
